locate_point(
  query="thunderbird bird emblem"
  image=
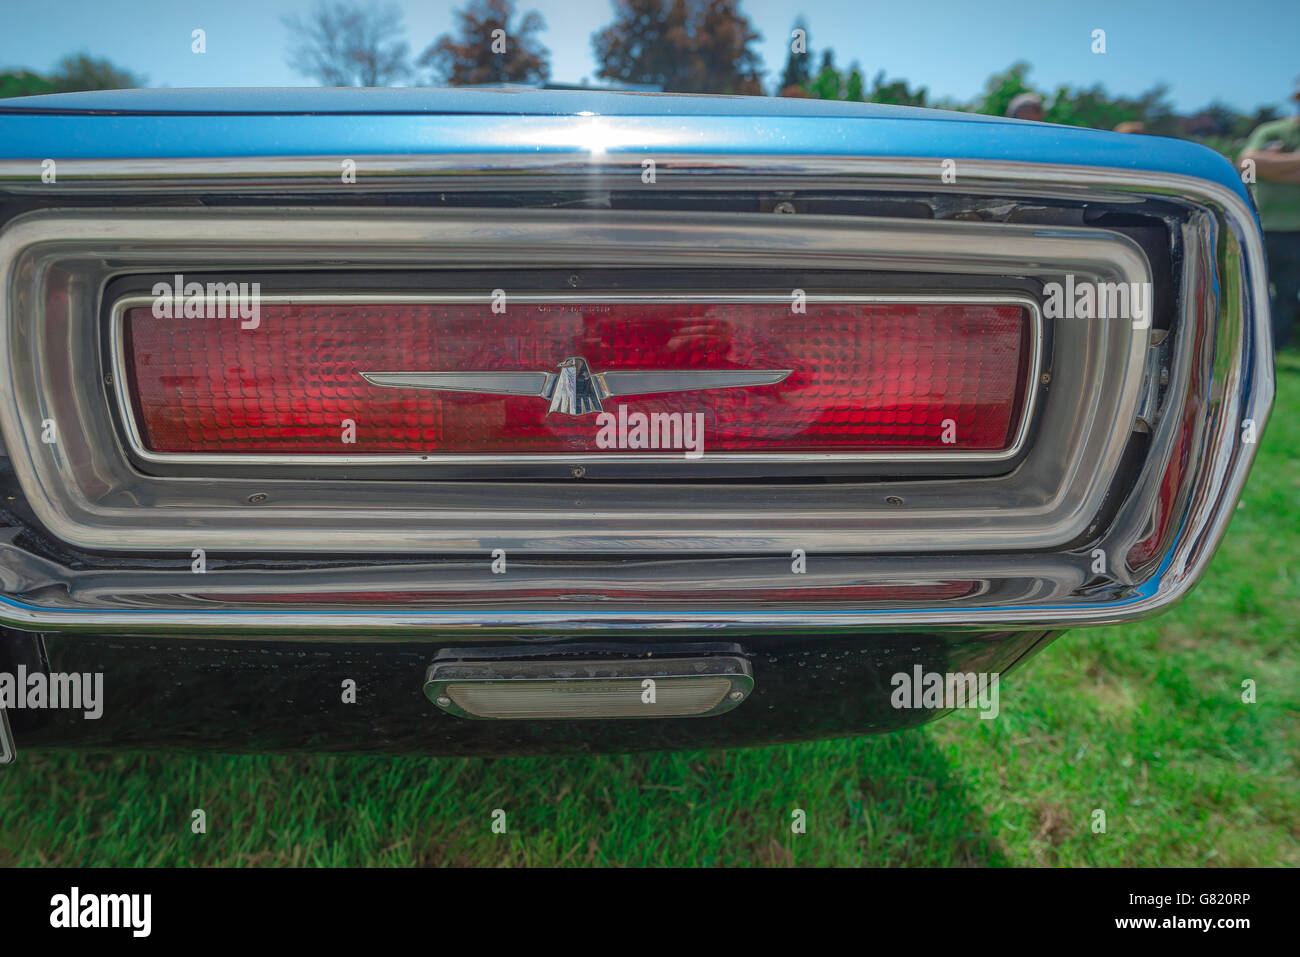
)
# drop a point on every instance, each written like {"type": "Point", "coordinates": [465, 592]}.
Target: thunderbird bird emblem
{"type": "Point", "coordinates": [575, 389]}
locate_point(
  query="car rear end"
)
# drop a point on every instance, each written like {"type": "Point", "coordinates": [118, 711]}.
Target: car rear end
{"type": "Point", "coordinates": [493, 421]}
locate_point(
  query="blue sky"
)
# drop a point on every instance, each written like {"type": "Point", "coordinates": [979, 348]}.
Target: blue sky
{"type": "Point", "coordinates": [1244, 53]}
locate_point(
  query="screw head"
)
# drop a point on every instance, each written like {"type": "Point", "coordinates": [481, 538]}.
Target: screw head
{"type": "Point", "coordinates": [736, 695]}
{"type": "Point", "coordinates": [442, 701]}
{"type": "Point", "coordinates": [578, 471]}
{"type": "Point", "coordinates": [786, 208]}
{"type": "Point", "coordinates": [257, 498]}
{"type": "Point", "coordinates": [893, 500]}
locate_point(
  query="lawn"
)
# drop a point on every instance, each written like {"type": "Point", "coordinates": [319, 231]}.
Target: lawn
{"type": "Point", "coordinates": [1144, 722]}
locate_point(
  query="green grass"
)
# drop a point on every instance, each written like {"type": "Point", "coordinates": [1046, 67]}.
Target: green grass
{"type": "Point", "coordinates": [1144, 722]}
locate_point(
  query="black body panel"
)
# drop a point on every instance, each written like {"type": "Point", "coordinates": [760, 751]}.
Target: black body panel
{"type": "Point", "coordinates": [243, 695]}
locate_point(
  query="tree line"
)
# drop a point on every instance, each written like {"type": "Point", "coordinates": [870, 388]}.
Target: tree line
{"type": "Point", "coordinates": [678, 46]}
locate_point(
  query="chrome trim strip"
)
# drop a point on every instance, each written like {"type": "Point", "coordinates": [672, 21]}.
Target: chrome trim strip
{"type": "Point", "coordinates": [581, 391]}
{"type": "Point", "coordinates": [605, 170]}
{"type": "Point", "coordinates": [121, 385]}
{"type": "Point", "coordinates": [623, 382]}
{"type": "Point", "coordinates": [7, 749]}
{"type": "Point", "coordinates": [538, 385]}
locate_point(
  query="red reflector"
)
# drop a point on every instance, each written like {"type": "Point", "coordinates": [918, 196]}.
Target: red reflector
{"type": "Point", "coordinates": [461, 379]}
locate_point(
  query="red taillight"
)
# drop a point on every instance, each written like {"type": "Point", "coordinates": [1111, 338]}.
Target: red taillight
{"type": "Point", "coordinates": [843, 377]}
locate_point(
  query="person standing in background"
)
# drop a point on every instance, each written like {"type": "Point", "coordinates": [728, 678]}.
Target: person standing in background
{"type": "Point", "coordinates": [1274, 148]}
{"type": "Point", "coordinates": [1026, 106]}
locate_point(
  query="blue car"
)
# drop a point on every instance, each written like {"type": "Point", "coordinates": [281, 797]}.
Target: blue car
{"type": "Point", "coordinates": [517, 421]}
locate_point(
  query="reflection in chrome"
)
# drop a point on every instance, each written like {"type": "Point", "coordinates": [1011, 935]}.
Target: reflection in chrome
{"type": "Point", "coordinates": [576, 390]}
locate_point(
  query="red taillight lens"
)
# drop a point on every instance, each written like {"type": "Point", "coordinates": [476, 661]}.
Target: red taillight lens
{"type": "Point", "coordinates": [862, 377]}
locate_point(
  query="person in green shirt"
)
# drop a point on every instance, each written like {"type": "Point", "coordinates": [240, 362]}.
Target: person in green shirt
{"type": "Point", "coordinates": [1274, 148]}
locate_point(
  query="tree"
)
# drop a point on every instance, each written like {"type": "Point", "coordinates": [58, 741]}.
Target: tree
{"type": "Point", "coordinates": [80, 71]}
{"type": "Point", "coordinates": [681, 46]}
{"type": "Point", "coordinates": [343, 43]}
{"type": "Point", "coordinates": [648, 43]}
{"type": "Point", "coordinates": [1002, 88]}
{"type": "Point", "coordinates": [828, 84]}
{"type": "Point", "coordinates": [1091, 107]}
{"type": "Point", "coordinates": [853, 86]}
{"type": "Point", "coordinates": [798, 65]}
{"type": "Point", "coordinates": [488, 49]}
{"type": "Point", "coordinates": [24, 83]}
{"type": "Point", "coordinates": [724, 59]}
{"type": "Point", "coordinates": [895, 91]}
{"type": "Point", "coordinates": [76, 72]}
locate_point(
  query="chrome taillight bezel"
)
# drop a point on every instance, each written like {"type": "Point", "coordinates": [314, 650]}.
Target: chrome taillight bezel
{"type": "Point", "coordinates": [1220, 373]}
{"type": "Point", "coordinates": [91, 493]}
